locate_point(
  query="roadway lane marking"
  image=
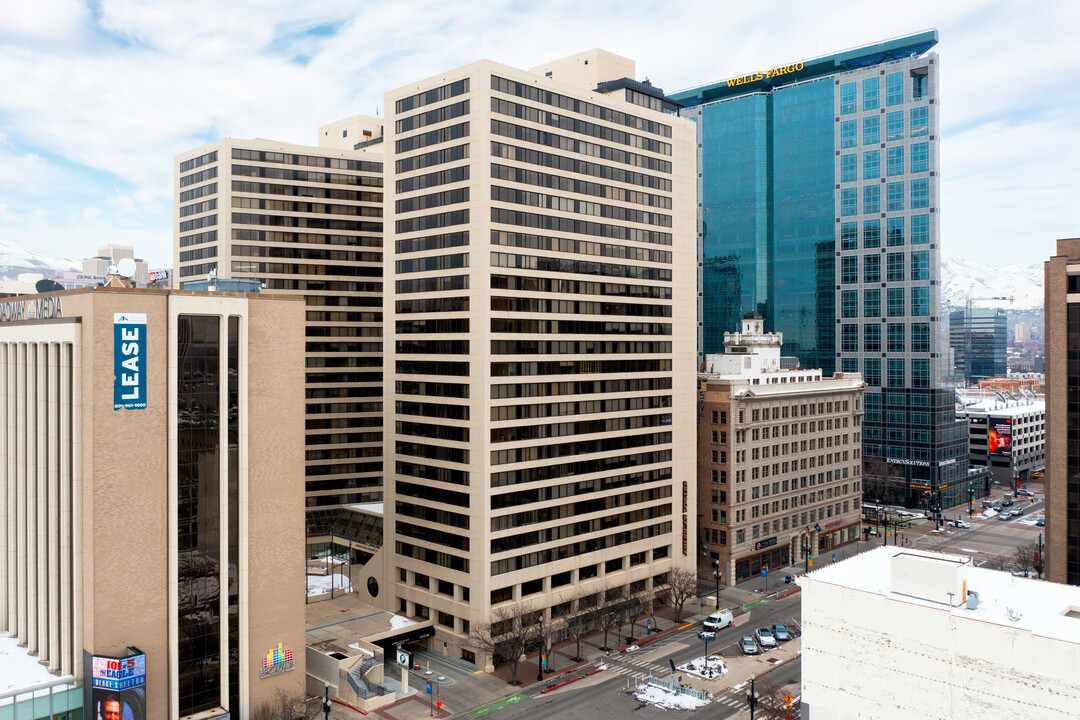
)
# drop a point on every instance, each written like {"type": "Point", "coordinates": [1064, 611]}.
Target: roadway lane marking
{"type": "Point", "coordinates": [479, 712]}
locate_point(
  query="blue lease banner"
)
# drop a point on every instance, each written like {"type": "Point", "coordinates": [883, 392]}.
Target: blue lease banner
{"type": "Point", "coordinates": [129, 361]}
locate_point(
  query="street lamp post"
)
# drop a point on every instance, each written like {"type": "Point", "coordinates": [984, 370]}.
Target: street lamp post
{"type": "Point", "coordinates": [971, 500]}
{"type": "Point", "coordinates": [718, 575]}
{"type": "Point", "coordinates": [540, 657]}
{"type": "Point", "coordinates": [326, 700]}
{"type": "Point", "coordinates": [751, 697]}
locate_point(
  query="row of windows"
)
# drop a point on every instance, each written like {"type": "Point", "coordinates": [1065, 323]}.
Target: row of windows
{"type": "Point", "coordinates": [432, 367]}
{"type": "Point", "coordinates": [201, 269]}
{"type": "Point", "coordinates": [270, 268]}
{"type": "Point", "coordinates": [433, 410]}
{"type": "Point", "coordinates": [579, 387]}
{"type": "Point", "coordinates": [311, 176]}
{"type": "Point", "coordinates": [577, 347]}
{"type": "Point", "coordinates": [210, 157]}
{"type": "Point", "coordinates": [894, 267]}
{"type": "Point", "coordinates": [201, 191]}
{"type": "Point", "coordinates": [545, 493]}
{"type": "Point", "coordinates": [431, 389]}
{"type": "Point", "coordinates": [199, 254]}
{"type": "Point", "coordinates": [896, 337]}
{"type": "Point", "coordinates": [582, 547]}
{"type": "Point", "coordinates": [581, 227]}
{"type": "Point", "coordinates": [432, 242]}
{"type": "Point", "coordinates": [894, 163]}
{"type": "Point", "coordinates": [577, 327]}
{"type": "Point", "coordinates": [432, 452]}
{"type": "Point", "coordinates": [304, 207]}
{"type": "Point", "coordinates": [432, 305]}
{"type": "Point", "coordinates": [425, 327]}
{"type": "Point", "coordinates": [894, 198]}
{"type": "Point", "coordinates": [578, 367]}
{"type": "Point", "coordinates": [307, 160]}
{"type": "Point", "coordinates": [335, 286]}
{"type": "Point", "coordinates": [432, 222]}
{"type": "Point", "coordinates": [305, 191]}
{"type": "Point", "coordinates": [444, 92]}
{"type": "Point", "coordinates": [563, 102]}
{"type": "Point", "coordinates": [433, 200]}
{"type": "Point", "coordinates": [433, 179]}
{"type": "Point", "coordinates": [580, 187]}
{"type": "Point", "coordinates": [449, 283]}
{"type": "Point", "coordinates": [197, 223]}
{"type": "Point", "coordinates": [432, 137]}
{"type": "Point", "coordinates": [579, 247]}
{"type": "Point", "coordinates": [894, 232]}
{"type": "Point", "coordinates": [920, 374]}
{"type": "Point", "coordinates": [198, 238]}
{"type": "Point", "coordinates": [576, 307]}
{"type": "Point", "coordinates": [437, 262]}
{"type": "Point", "coordinates": [305, 222]}
{"type": "Point", "coordinates": [871, 91]}
{"type": "Point", "coordinates": [432, 117]}
{"type": "Point", "coordinates": [584, 267]}
{"type": "Point", "coordinates": [582, 147]}
{"type": "Point", "coordinates": [583, 167]}
{"type": "Point", "coordinates": [201, 176]}
{"type": "Point", "coordinates": [430, 159]}
{"type": "Point", "coordinates": [849, 304]}
{"type": "Point", "coordinates": [581, 527]}
{"type": "Point", "coordinates": [272, 236]}
{"type": "Point", "coordinates": [578, 467]}
{"type": "Point", "coordinates": [522, 433]}
{"type": "Point", "coordinates": [432, 347]}
{"type": "Point", "coordinates": [579, 508]}
{"type": "Point", "coordinates": [579, 126]}
{"type": "Point", "coordinates": [919, 120]}
{"type": "Point", "coordinates": [307, 253]}
{"type": "Point", "coordinates": [578, 407]}
{"type": "Point", "coordinates": [579, 287]}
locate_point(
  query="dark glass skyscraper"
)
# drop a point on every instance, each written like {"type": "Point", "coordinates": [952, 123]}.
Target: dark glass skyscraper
{"type": "Point", "coordinates": [818, 192]}
{"type": "Point", "coordinates": [980, 343]}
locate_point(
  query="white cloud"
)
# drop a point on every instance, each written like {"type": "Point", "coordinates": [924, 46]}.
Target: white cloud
{"type": "Point", "coordinates": [125, 88]}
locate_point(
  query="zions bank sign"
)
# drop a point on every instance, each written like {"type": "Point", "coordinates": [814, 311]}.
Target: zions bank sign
{"type": "Point", "coordinates": [129, 361]}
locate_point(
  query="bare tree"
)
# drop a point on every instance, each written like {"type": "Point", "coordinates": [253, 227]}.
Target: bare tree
{"type": "Point", "coordinates": [1028, 559]}
{"type": "Point", "coordinates": [581, 620]}
{"type": "Point", "coordinates": [610, 610]}
{"type": "Point", "coordinates": [683, 585]}
{"type": "Point", "coordinates": [635, 608]}
{"type": "Point", "coordinates": [770, 700]}
{"type": "Point", "coordinates": [510, 632]}
{"type": "Point", "coordinates": [285, 705]}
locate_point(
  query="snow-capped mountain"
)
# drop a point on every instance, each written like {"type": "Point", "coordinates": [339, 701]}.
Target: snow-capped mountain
{"type": "Point", "coordinates": [1024, 283]}
{"type": "Point", "coordinates": [15, 260]}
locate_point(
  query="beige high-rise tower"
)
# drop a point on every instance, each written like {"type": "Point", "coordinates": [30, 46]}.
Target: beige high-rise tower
{"type": "Point", "coordinates": [304, 221]}
{"type": "Point", "coordinates": [540, 368]}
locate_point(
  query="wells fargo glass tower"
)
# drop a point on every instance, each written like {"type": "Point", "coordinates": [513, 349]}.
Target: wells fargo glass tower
{"type": "Point", "coordinates": [818, 192]}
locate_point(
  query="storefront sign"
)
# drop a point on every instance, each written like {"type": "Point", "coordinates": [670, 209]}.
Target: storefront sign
{"type": "Point", "coordinates": [42, 308]}
{"type": "Point", "coordinates": [775, 72]}
{"type": "Point", "coordinates": [902, 461]}
{"type": "Point", "coordinates": [277, 661]}
{"type": "Point", "coordinates": [834, 522]}
{"type": "Point", "coordinates": [767, 542]}
{"type": "Point", "coordinates": [129, 361]}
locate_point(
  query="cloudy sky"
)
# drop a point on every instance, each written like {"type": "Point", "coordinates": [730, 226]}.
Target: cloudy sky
{"type": "Point", "coordinates": [97, 97]}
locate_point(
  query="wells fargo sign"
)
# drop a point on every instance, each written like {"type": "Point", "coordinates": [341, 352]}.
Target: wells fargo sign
{"type": "Point", "coordinates": [775, 72]}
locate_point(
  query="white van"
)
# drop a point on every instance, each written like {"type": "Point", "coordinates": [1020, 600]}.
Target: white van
{"type": "Point", "coordinates": [718, 620]}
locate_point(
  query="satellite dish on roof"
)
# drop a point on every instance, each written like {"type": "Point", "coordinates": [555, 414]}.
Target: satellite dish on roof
{"type": "Point", "coordinates": [46, 286]}
{"type": "Point", "coordinates": [125, 268]}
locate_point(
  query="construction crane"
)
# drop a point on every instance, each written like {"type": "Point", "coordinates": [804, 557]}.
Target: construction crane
{"type": "Point", "coordinates": [967, 327]}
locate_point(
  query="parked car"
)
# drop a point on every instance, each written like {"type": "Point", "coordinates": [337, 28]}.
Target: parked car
{"type": "Point", "coordinates": [958, 523]}
{"type": "Point", "coordinates": [765, 638]}
{"type": "Point", "coordinates": [748, 646]}
{"type": "Point", "coordinates": [1017, 511]}
{"type": "Point", "coordinates": [780, 632]}
{"type": "Point", "coordinates": [1025, 492]}
{"type": "Point", "coordinates": [1041, 522]}
{"type": "Point", "coordinates": [1004, 515]}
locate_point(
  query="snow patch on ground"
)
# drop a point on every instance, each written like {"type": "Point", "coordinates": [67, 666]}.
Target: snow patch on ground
{"type": "Point", "coordinates": [360, 650]}
{"type": "Point", "coordinates": [322, 584]}
{"type": "Point", "coordinates": [667, 700]}
{"type": "Point", "coordinates": [400, 621]}
{"type": "Point", "coordinates": [18, 668]}
{"type": "Point", "coordinates": [697, 667]}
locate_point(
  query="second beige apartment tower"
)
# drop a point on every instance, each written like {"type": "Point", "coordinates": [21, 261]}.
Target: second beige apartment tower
{"type": "Point", "coordinates": [540, 339]}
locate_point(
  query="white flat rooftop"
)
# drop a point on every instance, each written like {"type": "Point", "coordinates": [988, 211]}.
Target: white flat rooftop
{"type": "Point", "coordinates": [19, 669]}
{"type": "Point", "coordinates": [371, 508]}
{"type": "Point", "coordinates": [1042, 607]}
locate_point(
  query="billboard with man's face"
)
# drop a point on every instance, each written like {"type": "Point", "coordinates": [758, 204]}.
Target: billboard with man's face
{"type": "Point", "coordinates": [999, 437]}
{"type": "Point", "coordinates": [115, 688]}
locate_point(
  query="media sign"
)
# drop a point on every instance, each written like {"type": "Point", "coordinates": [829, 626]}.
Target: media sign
{"type": "Point", "coordinates": [999, 438]}
{"type": "Point", "coordinates": [117, 687]}
{"type": "Point", "coordinates": [129, 361]}
{"type": "Point", "coordinates": [278, 660]}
